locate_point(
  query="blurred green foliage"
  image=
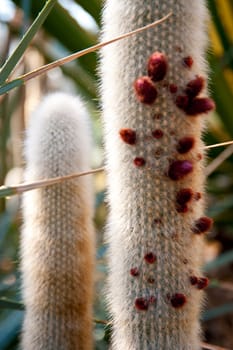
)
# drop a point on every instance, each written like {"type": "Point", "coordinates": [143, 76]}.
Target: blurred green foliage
{"type": "Point", "coordinates": [64, 33]}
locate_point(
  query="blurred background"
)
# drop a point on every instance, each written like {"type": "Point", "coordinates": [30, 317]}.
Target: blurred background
{"type": "Point", "coordinates": [71, 26]}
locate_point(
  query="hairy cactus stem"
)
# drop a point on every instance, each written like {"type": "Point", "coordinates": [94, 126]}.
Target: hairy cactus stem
{"type": "Point", "coordinates": [154, 86]}
{"type": "Point", "coordinates": [57, 246]}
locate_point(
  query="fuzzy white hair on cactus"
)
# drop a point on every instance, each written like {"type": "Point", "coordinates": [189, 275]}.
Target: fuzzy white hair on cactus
{"type": "Point", "coordinates": [57, 245]}
{"type": "Point", "coordinates": [154, 106]}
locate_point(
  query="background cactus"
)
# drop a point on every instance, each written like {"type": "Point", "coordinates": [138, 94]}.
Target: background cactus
{"type": "Point", "coordinates": [57, 245]}
{"type": "Point", "coordinates": [154, 98]}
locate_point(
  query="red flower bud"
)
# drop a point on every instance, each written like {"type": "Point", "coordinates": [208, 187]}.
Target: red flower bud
{"type": "Point", "coordinates": [145, 90]}
{"type": "Point", "coordinates": [157, 66]}
{"type": "Point", "coordinates": [179, 169]}
{"type": "Point", "coordinates": [202, 225]}
{"type": "Point", "coordinates": [128, 136]}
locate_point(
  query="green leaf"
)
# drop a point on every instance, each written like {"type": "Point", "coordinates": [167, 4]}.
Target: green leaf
{"type": "Point", "coordinates": [7, 191]}
{"type": "Point", "coordinates": [5, 223]}
{"type": "Point", "coordinates": [62, 26]}
{"type": "Point", "coordinates": [93, 7]}
{"type": "Point", "coordinates": [10, 328]}
{"type": "Point", "coordinates": [20, 49]}
{"type": "Point", "coordinates": [218, 23]}
{"type": "Point", "coordinates": [222, 94]}
{"type": "Point", "coordinates": [74, 70]}
{"type": "Point", "coordinates": [220, 206]}
{"type": "Point", "coordinates": [223, 35]}
{"type": "Point", "coordinates": [218, 312]}
{"type": "Point", "coordinates": [10, 304]}
{"type": "Point", "coordinates": [220, 261]}
{"type": "Point", "coordinates": [11, 85]}
{"type": "Point", "coordinates": [108, 333]}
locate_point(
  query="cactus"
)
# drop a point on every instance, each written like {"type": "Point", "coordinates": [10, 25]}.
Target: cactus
{"type": "Point", "coordinates": [154, 106]}
{"type": "Point", "coordinates": [57, 246]}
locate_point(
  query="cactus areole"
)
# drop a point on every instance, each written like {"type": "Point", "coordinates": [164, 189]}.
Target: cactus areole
{"type": "Point", "coordinates": [154, 109]}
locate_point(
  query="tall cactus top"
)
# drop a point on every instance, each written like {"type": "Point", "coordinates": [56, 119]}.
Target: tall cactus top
{"type": "Point", "coordinates": [154, 99]}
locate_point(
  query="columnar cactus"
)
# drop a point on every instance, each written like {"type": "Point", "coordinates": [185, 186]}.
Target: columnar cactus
{"type": "Point", "coordinates": [57, 245]}
{"type": "Point", "coordinates": [154, 106]}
